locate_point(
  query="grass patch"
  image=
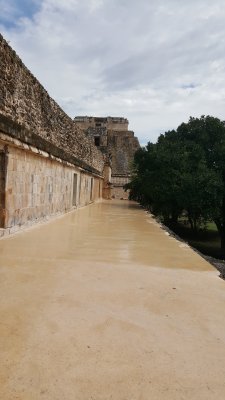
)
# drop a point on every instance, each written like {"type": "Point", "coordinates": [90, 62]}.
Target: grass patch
{"type": "Point", "coordinates": [206, 240]}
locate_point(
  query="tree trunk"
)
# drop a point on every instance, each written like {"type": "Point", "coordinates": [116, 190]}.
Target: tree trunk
{"type": "Point", "coordinates": [191, 223]}
{"type": "Point", "coordinates": [195, 225]}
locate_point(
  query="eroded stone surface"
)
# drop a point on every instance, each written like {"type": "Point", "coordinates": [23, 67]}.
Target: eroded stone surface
{"type": "Point", "coordinates": [112, 137]}
{"type": "Point", "coordinates": [34, 187]}
{"type": "Point", "coordinates": [24, 100]}
{"type": "Point", "coordinates": [102, 304]}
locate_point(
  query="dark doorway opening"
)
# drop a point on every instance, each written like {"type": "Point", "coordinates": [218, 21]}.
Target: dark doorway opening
{"type": "Point", "coordinates": [74, 203]}
{"type": "Point", "coordinates": [97, 141]}
{"type": "Point", "coordinates": [2, 188]}
{"type": "Point", "coordinates": [91, 197]}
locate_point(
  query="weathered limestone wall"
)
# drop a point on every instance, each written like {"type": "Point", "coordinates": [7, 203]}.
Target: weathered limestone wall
{"type": "Point", "coordinates": [119, 193]}
{"type": "Point", "coordinates": [117, 144]}
{"type": "Point", "coordinates": [24, 101]}
{"type": "Point", "coordinates": [111, 123]}
{"type": "Point", "coordinates": [2, 185]}
{"type": "Point", "coordinates": [122, 146]}
{"type": "Point", "coordinates": [117, 124]}
{"type": "Point", "coordinates": [101, 135]}
{"type": "Point", "coordinates": [90, 189]}
{"type": "Point", "coordinates": [120, 180]}
{"type": "Point", "coordinates": [112, 137]}
{"type": "Point", "coordinates": [118, 183]}
{"type": "Point", "coordinates": [84, 123]}
{"type": "Point", "coordinates": [37, 186]}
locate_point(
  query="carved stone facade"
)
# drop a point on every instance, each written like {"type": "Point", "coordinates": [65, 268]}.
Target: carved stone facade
{"type": "Point", "coordinates": [48, 166]}
{"type": "Point", "coordinates": [110, 123]}
{"type": "Point", "coordinates": [36, 185]}
{"type": "Point", "coordinates": [116, 142]}
{"type": "Point", "coordinates": [25, 101]}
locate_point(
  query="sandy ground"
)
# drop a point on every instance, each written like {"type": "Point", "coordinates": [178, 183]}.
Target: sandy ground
{"type": "Point", "coordinates": [102, 304]}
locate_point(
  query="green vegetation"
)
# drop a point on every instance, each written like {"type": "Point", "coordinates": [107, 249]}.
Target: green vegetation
{"type": "Point", "coordinates": [184, 174]}
{"type": "Point", "coordinates": [206, 239]}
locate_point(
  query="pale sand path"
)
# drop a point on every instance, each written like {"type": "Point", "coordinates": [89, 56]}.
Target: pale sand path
{"type": "Point", "coordinates": [101, 304]}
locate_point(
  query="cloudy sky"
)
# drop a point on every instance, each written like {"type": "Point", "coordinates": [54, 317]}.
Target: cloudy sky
{"type": "Point", "coordinates": [155, 62]}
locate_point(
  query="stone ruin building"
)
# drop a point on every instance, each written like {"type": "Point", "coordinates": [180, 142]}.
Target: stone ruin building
{"type": "Point", "coordinates": [118, 145]}
{"type": "Point", "coordinates": [49, 164]}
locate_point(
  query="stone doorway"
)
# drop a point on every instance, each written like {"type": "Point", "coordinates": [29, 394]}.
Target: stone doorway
{"type": "Point", "coordinates": [2, 189]}
{"type": "Point", "coordinates": [91, 194]}
{"type": "Point", "coordinates": [74, 201]}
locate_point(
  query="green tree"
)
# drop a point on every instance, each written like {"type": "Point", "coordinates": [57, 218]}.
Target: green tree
{"type": "Point", "coordinates": [208, 134]}
{"type": "Point", "coordinates": [184, 171]}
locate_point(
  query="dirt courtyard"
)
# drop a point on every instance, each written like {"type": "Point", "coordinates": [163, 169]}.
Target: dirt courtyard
{"type": "Point", "coordinates": [103, 304]}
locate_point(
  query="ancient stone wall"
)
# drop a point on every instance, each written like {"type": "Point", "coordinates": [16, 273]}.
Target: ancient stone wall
{"type": "Point", "coordinates": [118, 183]}
{"type": "Point", "coordinates": [37, 186]}
{"type": "Point", "coordinates": [24, 101]}
{"type": "Point", "coordinates": [111, 123]}
{"type": "Point", "coordinates": [120, 180]}
{"type": "Point", "coordinates": [90, 189]}
{"type": "Point", "coordinates": [99, 137]}
{"type": "Point", "coordinates": [122, 146]}
{"type": "Point", "coordinates": [119, 193]}
{"type": "Point", "coordinates": [112, 138]}
{"type": "Point", "coordinates": [118, 146]}
{"type": "Point", "coordinates": [2, 185]}
{"type": "Point", "coordinates": [117, 124]}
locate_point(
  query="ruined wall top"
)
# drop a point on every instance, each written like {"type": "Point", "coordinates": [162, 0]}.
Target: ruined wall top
{"type": "Point", "coordinates": [122, 147]}
{"type": "Point", "coordinates": [110, 123]}
{"type": "Point", "coordinates": [112, 137]}
{"type": "Point", "coordinates": [25, 102]}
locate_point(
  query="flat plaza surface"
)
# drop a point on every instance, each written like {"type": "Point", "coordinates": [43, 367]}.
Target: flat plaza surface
{"type": "Point", "coordinates": [102, 304]}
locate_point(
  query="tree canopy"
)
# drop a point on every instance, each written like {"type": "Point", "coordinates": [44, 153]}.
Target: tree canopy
{"type": "Point", "coordinates": [184, 172]}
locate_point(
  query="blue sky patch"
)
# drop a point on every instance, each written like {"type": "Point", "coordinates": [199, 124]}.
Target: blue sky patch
{"type": "Point", "coordinates": [190, 86]}
{"type": "Point", "coordinates": [13, 10]}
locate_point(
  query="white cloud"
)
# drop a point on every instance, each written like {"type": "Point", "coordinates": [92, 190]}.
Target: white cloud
{"type": "Point", "coordinates": [156, 62]}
